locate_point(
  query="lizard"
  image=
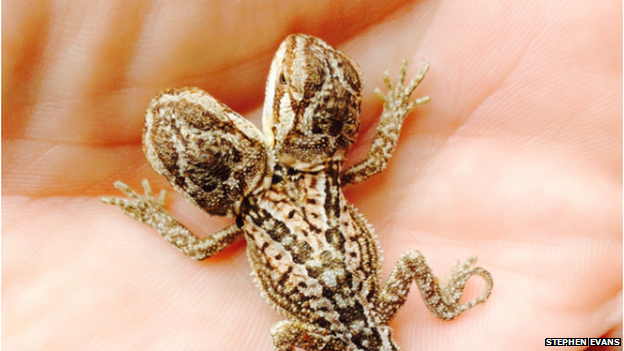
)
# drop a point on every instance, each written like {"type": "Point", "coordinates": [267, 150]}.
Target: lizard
{"type": "Point", "coordinates": [315, 258]}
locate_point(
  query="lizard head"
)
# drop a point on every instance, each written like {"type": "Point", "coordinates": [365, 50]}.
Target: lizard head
{"type": "Point", "coordinates": [312, 105]}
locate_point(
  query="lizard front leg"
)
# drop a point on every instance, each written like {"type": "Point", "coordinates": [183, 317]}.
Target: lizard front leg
{"type": "Point", "coordinates": [441, 297]}
{"type": "Point", "coordinates": [395, 108]}
{"type": "Point", "coordinates": [151, 211]}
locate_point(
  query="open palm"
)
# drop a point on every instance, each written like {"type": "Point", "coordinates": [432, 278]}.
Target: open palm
{"type": "Point", "coordinates": [517, 159]}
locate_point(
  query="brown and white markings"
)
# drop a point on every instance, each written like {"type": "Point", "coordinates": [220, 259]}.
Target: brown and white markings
{"type": "Point", "coordinates": [315, 258]}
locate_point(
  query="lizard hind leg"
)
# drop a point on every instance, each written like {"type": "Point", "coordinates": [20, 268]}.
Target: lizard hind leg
{"type": "Point", "coordinates": [442, 297]}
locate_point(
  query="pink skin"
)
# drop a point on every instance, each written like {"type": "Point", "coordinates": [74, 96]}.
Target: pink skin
{"type": "Point", "coordinates": [517, 159]}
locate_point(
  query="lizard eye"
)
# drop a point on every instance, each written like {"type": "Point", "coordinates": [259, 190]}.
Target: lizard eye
{"type": "Point", "coordinates": [282, 79]}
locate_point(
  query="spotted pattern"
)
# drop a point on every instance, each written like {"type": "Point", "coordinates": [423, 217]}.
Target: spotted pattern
{"type": "Point", "coordinates": [314, 257]}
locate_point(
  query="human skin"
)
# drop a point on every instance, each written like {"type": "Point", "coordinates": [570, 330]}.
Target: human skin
{"type": "Point", "coordinates": [517, 159]}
